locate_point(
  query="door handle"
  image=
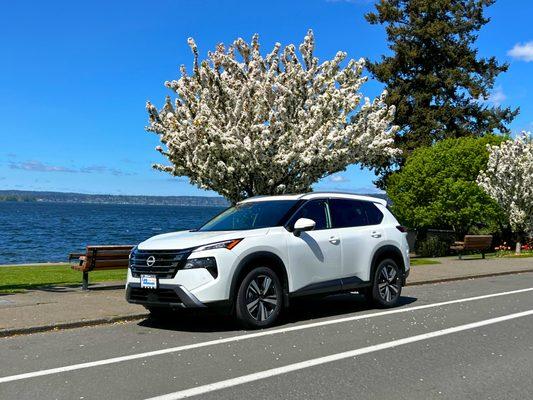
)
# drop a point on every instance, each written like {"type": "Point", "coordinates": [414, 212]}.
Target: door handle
{"type": "Point", "coordinates": [375, 234]}
{"type": "Point", "coordinates": [334, 239]}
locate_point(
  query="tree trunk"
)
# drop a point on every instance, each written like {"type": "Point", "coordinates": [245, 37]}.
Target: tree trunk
{"type": "Point", "coordinates": [518, 248]}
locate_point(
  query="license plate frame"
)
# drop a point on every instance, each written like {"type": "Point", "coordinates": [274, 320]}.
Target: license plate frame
{"type": "Point", "coordinates": [149, 282]}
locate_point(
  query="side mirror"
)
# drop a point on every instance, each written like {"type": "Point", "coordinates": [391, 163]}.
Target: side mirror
{"type": "Point", "coordinates": [303, 224]}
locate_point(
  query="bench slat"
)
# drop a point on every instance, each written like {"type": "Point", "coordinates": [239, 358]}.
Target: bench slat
{"type": "Point", "coordinates": [110, 247]}
{"type": "Point", "coordinates": [109, 254]}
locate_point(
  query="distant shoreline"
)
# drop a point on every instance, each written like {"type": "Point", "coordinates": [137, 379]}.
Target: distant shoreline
{"type": "Point", "coordinates": [23, 196]}
{"type": "Point", "coordinates": [112, 204]}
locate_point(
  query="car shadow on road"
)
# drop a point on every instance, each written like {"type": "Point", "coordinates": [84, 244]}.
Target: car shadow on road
{"type": "Point", "coordinates": [301, 310]}
{"type": "Point", "coordinates": [332, 306]}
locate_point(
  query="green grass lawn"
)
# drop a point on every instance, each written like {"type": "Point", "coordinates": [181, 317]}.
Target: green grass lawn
{"type": "Point", "coordinates": [21, 278]}
{"type": "Point", "coordinates": [423, 261]}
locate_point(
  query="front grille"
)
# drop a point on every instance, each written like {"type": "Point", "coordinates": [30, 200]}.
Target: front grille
{"type": "Point", "coordinates": [154, 296]}
{"type": "Point", "coordinates": [166, 265]}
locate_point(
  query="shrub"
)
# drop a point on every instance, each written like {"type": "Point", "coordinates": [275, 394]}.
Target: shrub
{"type": "Point", "coordinates": [436, 188]}
{"type": "Point", "coordinates": [432, 246]}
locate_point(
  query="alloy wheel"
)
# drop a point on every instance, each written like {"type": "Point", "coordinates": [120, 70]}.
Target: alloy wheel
{"type": "Point", "coordinates": [388, 283]}
{"type": "Point", "coordinates": [262, 297]}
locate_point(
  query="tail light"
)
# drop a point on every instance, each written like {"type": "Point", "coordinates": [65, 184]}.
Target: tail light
{"type": "Point", "coordinates": [401, 228]}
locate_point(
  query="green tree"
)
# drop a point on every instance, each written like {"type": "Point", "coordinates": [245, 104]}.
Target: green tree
{"type": "Point", "coordinates": [437, 187]}
{"type": "Point", "coordinates": [434, 77]}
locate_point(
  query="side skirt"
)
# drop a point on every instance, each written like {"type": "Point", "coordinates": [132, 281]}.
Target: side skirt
{"type": "Point", "coordinates": [330, 287]}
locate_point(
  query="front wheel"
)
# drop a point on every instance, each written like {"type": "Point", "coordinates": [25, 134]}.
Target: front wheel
{"type": "Point", "coordinates": [386, 285]}
{"type": "Point", "coordinates": [259, 298]}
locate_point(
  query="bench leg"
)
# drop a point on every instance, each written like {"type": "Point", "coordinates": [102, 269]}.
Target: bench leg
{"type": "Point", "coordinates": [85, 284]}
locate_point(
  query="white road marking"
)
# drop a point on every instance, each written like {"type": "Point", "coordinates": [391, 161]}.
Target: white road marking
{"type": "Point", "coordinates": [254, 335]}
{"type": "Point", "coordinates": [182, 394]}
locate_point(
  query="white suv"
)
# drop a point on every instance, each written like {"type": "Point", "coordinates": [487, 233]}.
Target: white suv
{"type": "Point", "coordinates": [259, 254]}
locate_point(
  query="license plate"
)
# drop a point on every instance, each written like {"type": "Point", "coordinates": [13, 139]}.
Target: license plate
{"type": "Point", "coordinates": [149, 281]}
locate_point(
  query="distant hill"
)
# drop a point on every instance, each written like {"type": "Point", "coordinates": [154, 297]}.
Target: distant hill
{"type": "Point", "coordinates": [60, 197]}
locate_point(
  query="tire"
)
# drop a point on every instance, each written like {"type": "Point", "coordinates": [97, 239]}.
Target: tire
{"type": "Point", "coordinates": [386, 286]}
{"type": "Point", "coordinates": [259, 298]}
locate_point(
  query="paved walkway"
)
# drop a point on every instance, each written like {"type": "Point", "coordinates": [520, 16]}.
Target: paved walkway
{"type": "Point", "coordinates": [62, 307]}
{"type": "Point", "coordinates": [453, 268]}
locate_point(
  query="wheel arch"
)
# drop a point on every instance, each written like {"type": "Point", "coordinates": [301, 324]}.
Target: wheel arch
{"type": "Point", "coordinates": [387, 251]}
{"type": "Point", "coordinates": [250, 262]}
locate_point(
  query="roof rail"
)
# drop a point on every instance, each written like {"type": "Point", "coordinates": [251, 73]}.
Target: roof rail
{"type": "Point", "coordinates": [378, 199]}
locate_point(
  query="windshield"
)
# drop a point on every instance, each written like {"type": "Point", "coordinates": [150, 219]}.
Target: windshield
{"type": "Point", "coordinates": [252, 215]}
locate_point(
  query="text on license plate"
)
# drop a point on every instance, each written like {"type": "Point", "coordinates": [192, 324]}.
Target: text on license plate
{"type": "Point", "coordinates": [149, 281]}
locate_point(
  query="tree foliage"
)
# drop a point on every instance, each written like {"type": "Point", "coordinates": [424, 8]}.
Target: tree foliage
{"type": "Point", "coordinates": [243, 124]}
{"type": "Point", "coordinates": [437, 186]}
{"type": "Point", "coordinates": [434, 76]}
{"type": "Point", "coordinates": [508, 179]}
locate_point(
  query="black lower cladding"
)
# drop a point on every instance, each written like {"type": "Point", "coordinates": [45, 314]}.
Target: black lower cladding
{"type": "Point", "coordinates": [332, 286]}
{"type": "Point", "coordinates": [164, 295]}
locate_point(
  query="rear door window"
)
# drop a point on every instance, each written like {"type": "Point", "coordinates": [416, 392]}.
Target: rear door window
{"type": "Point", "coordinates": [350, 213]}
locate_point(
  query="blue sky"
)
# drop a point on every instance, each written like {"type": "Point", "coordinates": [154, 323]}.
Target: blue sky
{"type": "Point", "coordinates": [75, 76]}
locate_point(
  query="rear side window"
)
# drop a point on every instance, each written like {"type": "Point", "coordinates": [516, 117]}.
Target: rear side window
{"type": "Point", "coordinates": [315, 210]}
{"type": "Point", "coordinates": [349, 213]}
{"type": "Point", "coordinates": [374, 215]}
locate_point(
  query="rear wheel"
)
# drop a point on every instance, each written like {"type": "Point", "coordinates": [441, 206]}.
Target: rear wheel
{"type": "Point", "coordinates": [259, 298]}
{"type": "Point", "coordinates": [386, 285]}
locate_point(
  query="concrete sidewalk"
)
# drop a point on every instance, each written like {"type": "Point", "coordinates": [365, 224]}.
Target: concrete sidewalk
{"type": "Point", "coordinates": [66, 307]}
{"type": "Point", "coordinates": [451, 268]}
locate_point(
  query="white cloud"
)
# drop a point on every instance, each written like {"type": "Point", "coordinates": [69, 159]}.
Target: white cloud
{"type": "Point", "coordinates": [337, 178]}
{"type": "Point", "coordinates": [497, 97]}
{"type": "Point", "coordinates": [522, 52]}
{"type": "Point", "coordinates": [34, 165]}
{"type": "Point", "coordinates": [38, 166]}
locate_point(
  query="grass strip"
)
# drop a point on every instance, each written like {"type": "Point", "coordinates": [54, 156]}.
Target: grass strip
{"type": "Point", "coordinates": [21, 278]}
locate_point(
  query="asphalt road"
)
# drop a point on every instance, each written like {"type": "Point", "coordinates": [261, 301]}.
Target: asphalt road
{"type": "Point", "coordinates": [459, 340]}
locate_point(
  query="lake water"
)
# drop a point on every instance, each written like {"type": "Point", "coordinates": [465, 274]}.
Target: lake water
{"type": "Point", "coordinates": [42, 232]}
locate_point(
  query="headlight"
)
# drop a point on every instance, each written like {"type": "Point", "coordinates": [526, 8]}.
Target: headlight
{"type": "Point", "coordinates": [132, 252]}
{"type": "Point", "coordinates": [209, 263]}
{"type": "Point", "coordinates": [226, 244]}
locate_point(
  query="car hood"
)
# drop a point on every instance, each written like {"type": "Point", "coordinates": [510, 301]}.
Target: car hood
{"type": "Point", "coordinates": [188, 239]}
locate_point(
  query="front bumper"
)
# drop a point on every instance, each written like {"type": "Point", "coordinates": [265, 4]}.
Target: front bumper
{"type": "Point", "coordinates": [172, 296]}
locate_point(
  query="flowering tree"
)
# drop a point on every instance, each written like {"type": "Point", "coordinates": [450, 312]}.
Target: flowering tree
{"type": "Point", "coordinates": [245, 125]}
{"type": "Point", "coordinates": [509, 180]}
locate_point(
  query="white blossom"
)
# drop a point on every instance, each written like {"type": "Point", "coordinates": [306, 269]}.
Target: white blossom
{"type": "Point", "coordinates": [243, 124]}
{"type": "Point", "coordinates": [509, 180]}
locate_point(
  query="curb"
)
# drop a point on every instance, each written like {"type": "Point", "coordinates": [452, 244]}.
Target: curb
{"type": "Point", "coordinates": [135, 317]}
{"type": "Point", "coordinates": [464, 278]}
{"type": "Point", "coordinates": [71, 325]}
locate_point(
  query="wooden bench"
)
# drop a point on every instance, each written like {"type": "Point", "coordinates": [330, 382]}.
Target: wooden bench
{"type": "Point", "coordinates": [98, 258]}
{"type": "Point", "coordinates": [479, 243]}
